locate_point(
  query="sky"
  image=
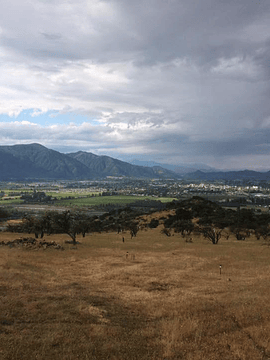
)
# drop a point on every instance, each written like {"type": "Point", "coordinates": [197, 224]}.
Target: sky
{"type": "Point", "coordinates": [172, 81]}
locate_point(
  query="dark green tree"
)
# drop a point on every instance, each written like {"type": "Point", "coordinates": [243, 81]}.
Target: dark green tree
{"type": "Point", "coordinates": [66, 223]}
{"type": "Point", "coordinates": [211, 234]}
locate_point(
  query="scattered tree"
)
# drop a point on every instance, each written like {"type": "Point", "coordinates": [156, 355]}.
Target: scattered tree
{"type": "Point", "coordinates": [211, 233]}
{"type": "Point", "coordinates": [66, 223]}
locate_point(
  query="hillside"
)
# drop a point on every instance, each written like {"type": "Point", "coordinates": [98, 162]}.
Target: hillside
{"type": "Point", "coordinates": [36, 161]}
{"type": "Point", "coordinates": [14, 167]}
{"type": "Point", "coordinates": [107, 166]}
{"type": "Point", "coordinates": [149, 296]}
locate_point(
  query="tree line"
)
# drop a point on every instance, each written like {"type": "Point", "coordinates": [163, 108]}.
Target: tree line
{"type": "Point", "coordinates": [211, 219]}
{"type": "Point", "coordinates": [195, 215]}
{"type": "Point", "coordinates": [74, 223]}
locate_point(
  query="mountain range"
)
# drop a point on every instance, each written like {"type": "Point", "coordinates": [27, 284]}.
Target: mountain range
{"type": "Point", "coordinates": [35, 161]}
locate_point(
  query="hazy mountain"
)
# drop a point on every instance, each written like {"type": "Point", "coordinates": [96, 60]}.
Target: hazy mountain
{"type": "Point", "coordinates": [35, 161]}
{"type": "Point", "coordinates": [229, 175]}
{"type": "Point", "coordinates": [179, 168]}
{"type": "Point", "coordinates": [107, 166]}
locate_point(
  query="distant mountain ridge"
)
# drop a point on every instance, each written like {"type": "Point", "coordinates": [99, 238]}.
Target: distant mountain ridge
{"type": "Point", "coordinates": [179, 168]}
{"type": "Point", "coordinates": [228, 175]}
{"type": "Point", "coordinates": [107, 166]}
{"type": "Point", "coordinates": [35, 161]}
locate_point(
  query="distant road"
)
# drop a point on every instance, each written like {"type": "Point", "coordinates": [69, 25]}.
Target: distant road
{"type": "Point", "coordinates": [39, 207]}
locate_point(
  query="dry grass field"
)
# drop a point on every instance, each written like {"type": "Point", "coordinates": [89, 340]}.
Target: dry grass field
{"type": "Point", "coordinates": [151, 297]}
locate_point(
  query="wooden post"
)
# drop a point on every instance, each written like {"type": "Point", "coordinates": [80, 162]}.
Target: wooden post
{"type": "Point", "coordinates": [220, 269]}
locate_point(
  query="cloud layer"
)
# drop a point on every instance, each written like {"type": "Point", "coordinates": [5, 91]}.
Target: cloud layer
{"type": "Point", "coordinates": [174, 81]}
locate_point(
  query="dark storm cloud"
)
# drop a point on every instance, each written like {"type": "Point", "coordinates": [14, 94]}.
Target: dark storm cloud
{"type": "Point", "coordinates": [154, 31]}
{"type": "Point", "coordinates": [178, 80]}
{"type": "Point", "coordinates": [51, 37]}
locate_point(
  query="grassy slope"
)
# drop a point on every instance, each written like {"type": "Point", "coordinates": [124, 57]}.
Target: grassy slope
{"type": "Point", "coordinates": [169, 302]}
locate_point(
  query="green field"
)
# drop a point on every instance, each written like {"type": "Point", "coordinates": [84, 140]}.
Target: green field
{"type": "Point", "coordinates": [81, 199]}
{"type": "Point", "coordinates": [11, 201]}
{"type": "Point", "coordinates": [98, 200]}
{"type": "Point", "coordinates": [14, 199]}
{"type": "Point", "coordinates": [64, 194]}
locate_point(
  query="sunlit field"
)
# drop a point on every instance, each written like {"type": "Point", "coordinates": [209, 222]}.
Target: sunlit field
{"type": "Point", "coordinates": [77, 199]}
{"type": "Point", "coordinates": [99, 200]}
{"type": "Point", "coordinates": [149, 297]}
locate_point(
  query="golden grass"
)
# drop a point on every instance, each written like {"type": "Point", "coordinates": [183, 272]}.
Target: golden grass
{"type": "Point", "coordinates": [151, 297]}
